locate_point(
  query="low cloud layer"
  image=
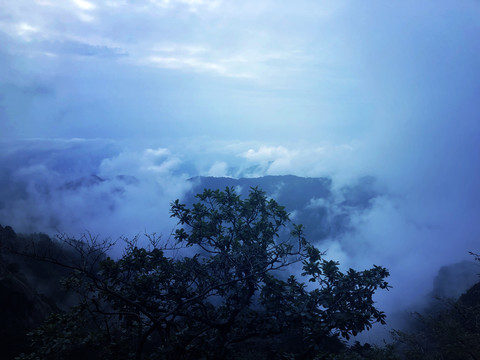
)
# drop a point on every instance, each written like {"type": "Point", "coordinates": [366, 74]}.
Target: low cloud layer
{"type": "Point", "coordinates": [77, 186]}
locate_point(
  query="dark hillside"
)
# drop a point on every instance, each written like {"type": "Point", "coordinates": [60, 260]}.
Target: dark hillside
{"type": "Point", "coordinates": [29, 290]}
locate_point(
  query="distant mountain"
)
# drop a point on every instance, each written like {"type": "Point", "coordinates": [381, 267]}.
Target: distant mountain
{"type": "Point", "coordinates": [454, 279]}
{"type": "Point", "coordinates": [95, 180]}
{"type": "Point", "coordinates": [287, 189]}
{"type": "Point", "coordinates": [324, 211]}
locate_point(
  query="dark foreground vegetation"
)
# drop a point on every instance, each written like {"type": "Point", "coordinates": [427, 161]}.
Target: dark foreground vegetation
{"type": "Point", "coordinates": [237, 280]}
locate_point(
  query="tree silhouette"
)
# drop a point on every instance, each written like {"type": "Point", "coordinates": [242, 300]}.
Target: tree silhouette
{"type": "Point", "coordinates": [232, 284]}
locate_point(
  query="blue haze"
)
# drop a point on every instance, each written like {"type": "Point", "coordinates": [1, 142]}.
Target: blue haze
{"type": "Point", "coordinates": [160, 91]}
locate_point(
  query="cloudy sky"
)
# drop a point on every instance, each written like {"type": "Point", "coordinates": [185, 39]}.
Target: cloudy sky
{"type": "Point", "coordinates": [147, 93]}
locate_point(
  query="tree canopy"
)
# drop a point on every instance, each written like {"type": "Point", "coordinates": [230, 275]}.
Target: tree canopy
{"type": "Point", "coordinates": [237, 281]}
{"type": "Point", "coordinates": [448, 329]}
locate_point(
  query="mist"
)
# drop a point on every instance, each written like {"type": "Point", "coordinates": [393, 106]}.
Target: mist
{"type": "Point", "coordinates": [108, 108]}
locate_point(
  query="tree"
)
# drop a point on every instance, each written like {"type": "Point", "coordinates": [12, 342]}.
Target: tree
{"type": "Point", "coordinates": [450, 329]}
{"type": "Point", "coordinates": [230, 286]}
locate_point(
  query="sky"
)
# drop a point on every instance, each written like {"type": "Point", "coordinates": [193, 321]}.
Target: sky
{"type": "Point", "coordinates": [148, 93]}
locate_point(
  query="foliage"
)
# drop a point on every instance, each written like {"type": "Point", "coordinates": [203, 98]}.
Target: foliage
{"type": "Point", "coordinates": [221, 290]}
{"type": "Point", "coordinates": [366, 351]}
{"type": "Point", "coordinates": [451, 333]}
{"type": "Point", "coordinates": [29, 290]}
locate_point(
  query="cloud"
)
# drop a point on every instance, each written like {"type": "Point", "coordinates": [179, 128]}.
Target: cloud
{"type": "Point", "coordinates": [54, 186]}
{"type": "Point", "coordinates": [254, 64]}
{"type": "Point", "coordinates": [84, 5]}
{"type": "Point", "coordinates": [82, 49]}
{"type": "Point", "coordinates": [417, 216]}
{"type": "Point", "coordinates": [192, 5]}
{"type": "Point", "coordinates": [75, 185]}
{"type": "Point", "coordinates": [247, 88]}
{"type": "Point", "coordinates": [306, 160]}
{"type": "Point", "coordinates": [189, 63]}
{"type": "Point", "coordinates": [25, 30]}
{"type": "Point", "coordinates": [218, 169]}
{"type": "Point", "coordinates": [195, 58]}
{"type": "Point", "coordinates": [265, 153]}
{"type": "Point", "coordinates": [97, 27]}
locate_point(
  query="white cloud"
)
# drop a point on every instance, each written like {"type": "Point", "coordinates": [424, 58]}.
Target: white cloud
{"type": "Point", "coordinates": [248, 55]}
{"type": "Point", "coordinates": [267, 153]}
{"type": "Point", "coordinates": [76, 186]}
{"type": "Point", "coordinates": [218, 169]}
{"type": "Point", "coordinates": [179, 48]}
{"type": "Point", "coordinates": [86, 17]}
{"type": "Point", "coordinates": [116, 3]}
{"type": "Point", "coordinates": [26, 31]}
{"type": "Point", "coordinates": [216, 66]}
{"type": "Point", "coordinates": [261, 58]}
{"type": "Point", "coordinates": [84, 5]}
{"type": "Point", "coordinates": [45, 2]}
{"type": "Point", "coordinates": [304, 160]}
{"type": "Point", "coordinates": [179, 63]}
{"type": "Point", "coordinates": [155, 162]}
{"type": "Point", "coordinates": [318, 203]}
{"type": "Point", "coordinates": [193, 5]}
